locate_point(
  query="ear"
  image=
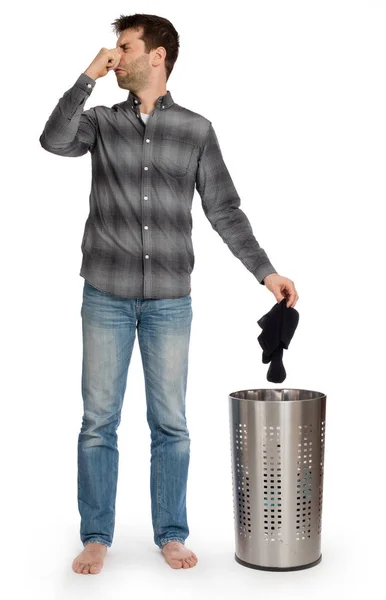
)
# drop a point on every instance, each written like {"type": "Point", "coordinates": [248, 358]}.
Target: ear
{"type": "Point", "coordinates": [159, 54]}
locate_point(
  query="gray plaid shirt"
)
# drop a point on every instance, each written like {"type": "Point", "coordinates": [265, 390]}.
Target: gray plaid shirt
{"type": "Point", "coordinates": [137, 240]}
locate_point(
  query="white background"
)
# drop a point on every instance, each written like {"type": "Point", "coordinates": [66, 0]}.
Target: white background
{"type": "Point", "coordinates": [296, 93]}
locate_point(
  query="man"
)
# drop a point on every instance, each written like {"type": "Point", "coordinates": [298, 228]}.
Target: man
{"type": "Point", "coordinates": [148, 155]}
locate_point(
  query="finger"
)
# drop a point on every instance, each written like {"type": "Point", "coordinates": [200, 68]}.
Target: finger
{"type": "Point", "coordinates": [292, 300]}
{"type": "Point", "coordinates": [296, 298]}
{"type": "Point", "coordinates": [113, 62]}
{"type": "Point", "coordinates": [114, 59]}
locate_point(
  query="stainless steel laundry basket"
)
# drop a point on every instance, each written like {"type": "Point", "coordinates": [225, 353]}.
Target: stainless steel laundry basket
{"type": "Point", "coordinates": [277, 451]}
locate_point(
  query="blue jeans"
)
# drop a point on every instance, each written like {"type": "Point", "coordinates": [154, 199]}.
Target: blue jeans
{"type": "Point", "coordinates": [109, 325]}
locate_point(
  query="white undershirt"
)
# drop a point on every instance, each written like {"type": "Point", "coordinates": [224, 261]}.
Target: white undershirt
{"type": "Point", "coordinates": [144, 117]}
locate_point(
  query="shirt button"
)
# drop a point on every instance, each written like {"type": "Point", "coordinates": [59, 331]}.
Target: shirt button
{"type": "Point", "coordinates": [145, 197]}
{"type": "Point", "coordinates": [136, 101]}
{"type": "Point", "coordinates": [146, 256]}
{"type": "Point", "coordinates": [137, 116]}
{"type": "Point", "coordinates": [146, 168]}
{"type": "Point", "coordinates": [146, 227]}
{"type": "Point", "coordinates": [148, 140]}
{"type": "Point", "coordinates": [163, 106]}
{"type": "Point", "coordinates": [89, 85]}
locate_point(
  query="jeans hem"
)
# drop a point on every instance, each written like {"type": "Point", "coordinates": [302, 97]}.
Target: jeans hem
{"type": "Point", "coordinates": [97, 540]}
{"type": "Point", "coordinates": [164, 541]}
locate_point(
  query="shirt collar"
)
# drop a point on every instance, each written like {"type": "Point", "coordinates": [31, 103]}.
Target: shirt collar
{"type": "Point", "coordinates": [162, 101]}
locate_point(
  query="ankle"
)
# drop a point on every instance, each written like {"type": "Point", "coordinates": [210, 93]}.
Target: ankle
{"type": "Point", "coordinates": [95, 545]}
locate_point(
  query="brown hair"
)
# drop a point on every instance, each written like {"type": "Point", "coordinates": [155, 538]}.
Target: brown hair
{"type": "Point", "coordinates": [157, 31]}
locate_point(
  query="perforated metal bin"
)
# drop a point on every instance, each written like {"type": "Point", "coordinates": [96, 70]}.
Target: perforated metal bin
{"type": "Point", "coordinates": [277, 451]}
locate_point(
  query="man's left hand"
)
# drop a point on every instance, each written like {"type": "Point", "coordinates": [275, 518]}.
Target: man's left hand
{"type": "Point", "coordinates": [282, 287]}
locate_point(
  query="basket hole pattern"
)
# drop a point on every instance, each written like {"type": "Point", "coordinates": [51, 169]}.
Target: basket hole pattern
{"type": "Point", "coordinates": [321, 465]}
{"type": "Point", "coordinates": [272, 500]}
{"type": "Point", "coordinates": [242, 482]}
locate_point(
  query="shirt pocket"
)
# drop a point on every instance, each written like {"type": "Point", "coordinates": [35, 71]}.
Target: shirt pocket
{"type": "Point", "coordinates": [175, 156]}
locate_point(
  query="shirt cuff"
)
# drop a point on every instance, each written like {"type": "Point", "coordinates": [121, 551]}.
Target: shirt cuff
{"type": "Point", "coordinates": [262, 272]}
{"type": "Point", "coordinates": [86, 83]}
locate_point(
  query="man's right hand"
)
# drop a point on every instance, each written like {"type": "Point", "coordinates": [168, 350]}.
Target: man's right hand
{"type": "Point", "coordinates": [105, 61]}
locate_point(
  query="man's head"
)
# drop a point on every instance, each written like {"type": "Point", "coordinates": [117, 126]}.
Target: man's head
{"type": "Point", "coordinates": [149, 47]}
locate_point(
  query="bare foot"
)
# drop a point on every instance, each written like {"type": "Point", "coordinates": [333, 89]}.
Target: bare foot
{"type": "Point", "coordinates": [178, 556]}
{"type": "Point", "coordinates": [90, 560]}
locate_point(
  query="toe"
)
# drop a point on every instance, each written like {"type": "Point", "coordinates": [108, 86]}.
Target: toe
{"type": "Point", "coordinates": [95, 568]}
{"type": "Point", "coordinates": [191, 561]}
{"type": "Point", "coordinates": [85, 569]}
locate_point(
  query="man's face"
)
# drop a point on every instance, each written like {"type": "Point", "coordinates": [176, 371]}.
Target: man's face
{"type": "Point", "coordinates": [135, 62]}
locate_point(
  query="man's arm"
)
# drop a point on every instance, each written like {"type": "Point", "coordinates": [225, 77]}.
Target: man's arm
{"type": "Point", "coordinates": [221, 204]}
{"type": "Point", "coordinates": [70, 130]}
